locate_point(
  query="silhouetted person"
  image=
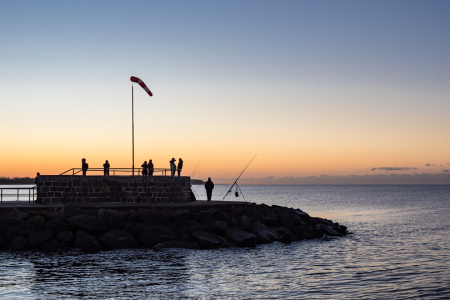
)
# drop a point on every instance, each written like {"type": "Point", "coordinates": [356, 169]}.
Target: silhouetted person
{"type": "Point", "coordinates": [180, 166]}
{"type": "Point", "coordinates": [209, 186]}
{"type": "Point", "coordinates": [173, 167]}
{"type": "Point", "coordinates": [106, 168]}
{"type": "Point", "coordinates": [151, 168]}
{"type": "Point", "coordinates": [84, 166]}
{"type": "Point", "coordinates": [144, 168]}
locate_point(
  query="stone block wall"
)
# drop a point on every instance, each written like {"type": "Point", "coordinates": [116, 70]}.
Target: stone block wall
{"type": "Point", "coordinates": [84, 189]}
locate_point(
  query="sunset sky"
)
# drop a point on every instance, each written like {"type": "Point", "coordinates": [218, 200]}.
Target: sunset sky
{"type": "Point", "coordinates": [322, 91]}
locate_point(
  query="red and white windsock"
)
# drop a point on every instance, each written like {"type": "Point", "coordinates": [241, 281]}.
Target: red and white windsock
{"type": "Point", "coordinates": [142, 84]}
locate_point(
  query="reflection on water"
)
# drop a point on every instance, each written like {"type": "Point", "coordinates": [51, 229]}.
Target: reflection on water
{"type": "Point", "coordinates": [399, 250]}
{"type": "Point", "coordinates": [128, 274]}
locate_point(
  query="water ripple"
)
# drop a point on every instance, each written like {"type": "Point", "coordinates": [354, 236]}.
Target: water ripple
{"type": "Point", "coordinates": [396, 252]}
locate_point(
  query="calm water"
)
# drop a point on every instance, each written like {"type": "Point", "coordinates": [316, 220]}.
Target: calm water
{"type": "Point", "coordinates": [21, 192]}
{"type": "Point", "coordinates": [400, 249]}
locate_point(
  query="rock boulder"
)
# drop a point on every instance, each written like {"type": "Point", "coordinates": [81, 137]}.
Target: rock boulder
{"type": "Point", "coordinates": [87, 242]}
{"type": "Point", "coordinates": [241, 238]}
{"type": "Point", "coordinates": [39, 237]}
{"type": "Point", "coordinates": [207, 240]}
{"type": "Point", "coordinates": [118, 239]}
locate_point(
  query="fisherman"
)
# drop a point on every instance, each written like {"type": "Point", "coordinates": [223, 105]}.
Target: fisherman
{"type": "Point", "coordinates": [84, 166]}
{"type": "Point", "coordinates": [106, 168]}
{"type": "Point", "coordinates": [151, 168]}
{"type": "Point", "coordinates": [209, 186]}
{"type": "Point", "coordinates": [173, 167]}
{"type": "Point", "coordinates": [180, 166]}
{"type": "Point", "coordinates": [144, 168]}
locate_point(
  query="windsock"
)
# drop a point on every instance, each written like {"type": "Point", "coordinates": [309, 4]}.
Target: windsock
{"type": "Point", "coordinates": [142, 84]}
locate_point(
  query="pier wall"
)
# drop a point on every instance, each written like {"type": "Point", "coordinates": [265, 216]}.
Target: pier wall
{"type": "Point", "coordinates": [125, 189]}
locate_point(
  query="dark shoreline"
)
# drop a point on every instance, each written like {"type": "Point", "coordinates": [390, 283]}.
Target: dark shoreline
{"type": "Point", "coordinates": [205, 227]}
{"type": "Point", "coordinates": [17, 180]}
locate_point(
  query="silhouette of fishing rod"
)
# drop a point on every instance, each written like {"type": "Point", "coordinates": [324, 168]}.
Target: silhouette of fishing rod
{"type": "Point", "coordinates": [192, 175]}
{"type": "Point", "coordinates": [195, 169]}
{"type": "Point", "coordinates": [235, 182]}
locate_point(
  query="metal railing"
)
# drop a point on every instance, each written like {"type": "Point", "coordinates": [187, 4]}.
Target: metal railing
{"type": "Point", "coordinates": [119, 171]}
{"type": "Point", "coordinates": [4, 195]}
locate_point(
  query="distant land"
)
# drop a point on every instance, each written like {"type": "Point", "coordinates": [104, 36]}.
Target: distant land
{"type": "Point", "coordinates": [197, 181]}
{"type": "Point", "coordinates": [17, 180]}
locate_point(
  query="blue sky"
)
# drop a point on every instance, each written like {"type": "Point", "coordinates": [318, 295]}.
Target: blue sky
{"type": "Point", "coordinates": [337, 88]}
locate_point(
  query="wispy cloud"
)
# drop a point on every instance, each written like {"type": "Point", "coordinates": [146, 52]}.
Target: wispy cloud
{"type": "Point", "coordinates": [430, 165]}
{"type": "Point", "coordinates": [446, 171]}
{"type": "Point", "coordinates": [393, 169]}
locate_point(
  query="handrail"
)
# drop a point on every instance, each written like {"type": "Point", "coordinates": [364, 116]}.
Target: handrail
{"type": "Point", "coordinates": [31, 193]}
{"type": "Point", "coordinates": [163, 171]}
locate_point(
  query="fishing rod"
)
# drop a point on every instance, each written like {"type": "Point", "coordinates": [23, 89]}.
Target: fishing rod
{"type": "Point", "coordinates": [237, 194]}
{"type": "Point", "coordinates": [235, 182]}
{"type": "Point", "coordinates": [192, 175]}
{"type": "Point", "coordinates": [195, 169]}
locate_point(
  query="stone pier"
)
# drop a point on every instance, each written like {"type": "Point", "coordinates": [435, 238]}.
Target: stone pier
{"type": "Point", "coordinates": [106, 189]}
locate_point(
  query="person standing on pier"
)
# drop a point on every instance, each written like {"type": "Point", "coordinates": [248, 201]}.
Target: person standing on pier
{"type": "Point", "coordinates": [180, 166]}
{"type": "Point", "coordinates": [151, 168]}
{"type": "Point", "coordinates": [173, 167]}
{"type": "Point", "coordinates": [84, 166]}
{"type": "Point", "coordinates": [106, 168]}
{"type": "Point", "coordinates": [144, 168]}
{"type": "Point", "coordinates": [209, 186]}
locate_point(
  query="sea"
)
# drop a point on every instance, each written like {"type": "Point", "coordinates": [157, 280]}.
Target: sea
{"type": "Point", "coordinates": [399, 249]}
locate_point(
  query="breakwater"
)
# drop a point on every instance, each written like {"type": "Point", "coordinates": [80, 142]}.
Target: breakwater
{"type": "Point", "coordinates": [212, 227]}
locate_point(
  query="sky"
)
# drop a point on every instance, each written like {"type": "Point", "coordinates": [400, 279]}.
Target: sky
{"type": "Point", "coordinates": [323, 92]}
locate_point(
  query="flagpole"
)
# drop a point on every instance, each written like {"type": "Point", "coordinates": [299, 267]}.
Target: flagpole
{"type": "Point", "coordinates": [142, 84]}
{"type": "Point", "coordinates": [132, 122]}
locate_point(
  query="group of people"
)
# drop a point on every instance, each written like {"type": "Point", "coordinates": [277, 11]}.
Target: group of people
{"type": "Point", "coordinates": [85, 167]}
{"type": "Point", "coordinates": [147, 168]}
{"type": "Point", "coordinates": [173, 167]}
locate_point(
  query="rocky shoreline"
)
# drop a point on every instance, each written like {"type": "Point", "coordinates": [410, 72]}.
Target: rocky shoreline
{"type": "Point", "coordinates": [105, 229]}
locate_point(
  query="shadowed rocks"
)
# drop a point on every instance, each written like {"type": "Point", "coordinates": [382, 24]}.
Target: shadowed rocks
{"type": "Point", "coordinates": [207, 240]}
{"type": "Point", "coordinates": [117, 239]}
{"type": "Point", "coordinates": [104, 229]}
{"type": "Point", "coordinates": [241, 238]}
{"type": "Point", "coordinates": [87, 242]}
